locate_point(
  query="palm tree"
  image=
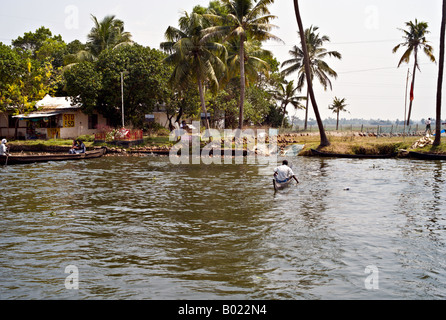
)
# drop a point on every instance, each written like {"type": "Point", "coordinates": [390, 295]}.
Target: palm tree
{"type": "Point", "coordinates": [437, 140]}
{"type": "Point", "coordinates": [318, 67]}
{"type": "Point", "coordinates": [414, 40]}
{"type": "Point", "coordinates": [195, 59]}
{"type": "Point", "coordinates": [107, 34]}
{"type": "Point", "coordinates": [246, 20]}
{"type": "Point", "coordinates": [286, 94]}
{"type": "Point", "coordinates": [323, 136]}
{"type": "Point", "coordinates": [255, 57]}
{"type": "Point", "coordinates": [338, 106]}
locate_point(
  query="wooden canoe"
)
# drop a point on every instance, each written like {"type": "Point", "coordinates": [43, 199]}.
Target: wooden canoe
{"type": "Point", "coordinates": [281, 186]}
{"type": "Point", "coordinates": [426, 156]}
{"type": "Point", "coordinates": [353, 156]}
{"type": "Point", "coordinates": [25, 159]}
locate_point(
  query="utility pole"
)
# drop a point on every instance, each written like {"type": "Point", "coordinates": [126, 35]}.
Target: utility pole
{"type": "Point", "coordinates": [122, 97]}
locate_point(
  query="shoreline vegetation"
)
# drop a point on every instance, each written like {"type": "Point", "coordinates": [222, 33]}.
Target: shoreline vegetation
{"type": "Point", "coordinates": [341, 144]}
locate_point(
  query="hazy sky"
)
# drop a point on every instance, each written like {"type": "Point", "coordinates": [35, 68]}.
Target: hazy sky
{"type": "Point", "coordinates": [364, 32]}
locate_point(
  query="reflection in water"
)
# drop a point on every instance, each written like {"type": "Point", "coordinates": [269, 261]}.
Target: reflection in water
{"type": "Point", "coordinates": [141, 228]}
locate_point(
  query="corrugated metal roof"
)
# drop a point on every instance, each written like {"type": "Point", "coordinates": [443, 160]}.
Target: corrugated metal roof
{"type": "Point", "coordinates": [57, 103]}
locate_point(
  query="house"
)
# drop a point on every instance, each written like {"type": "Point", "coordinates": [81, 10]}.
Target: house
{"type": "Point", "coordinates": [55, 117]}
{"type": "Point", "coordinates": [159, 115]}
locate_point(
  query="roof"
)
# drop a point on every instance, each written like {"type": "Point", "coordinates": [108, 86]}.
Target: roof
{"type": "Point", "coordinates": [50, 106]}
{"type": "Point", "coordinates": [36, 115]}
{"type": "Point", "coordinates": [57, 103]}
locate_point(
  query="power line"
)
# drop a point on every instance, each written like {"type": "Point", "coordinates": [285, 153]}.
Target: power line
{"type": "Point", "coordinates": [376, 69]}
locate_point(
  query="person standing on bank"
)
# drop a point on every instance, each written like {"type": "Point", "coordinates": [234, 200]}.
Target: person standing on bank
{"type": "Point", "coordinates": [284, 173]}
{"type": "Point", "coordinates": [428, 126]}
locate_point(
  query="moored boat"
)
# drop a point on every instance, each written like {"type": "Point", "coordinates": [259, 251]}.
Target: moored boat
{"type": "Point", "coordinates": [426, 156]}
{"type": "Point", "coordinates": [25, 159]}
{"type": "Point", "coordinates": [352, 156]}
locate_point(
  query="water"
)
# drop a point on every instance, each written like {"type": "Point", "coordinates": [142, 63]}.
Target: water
{"type": "Point", "coordinates": [142, 228]}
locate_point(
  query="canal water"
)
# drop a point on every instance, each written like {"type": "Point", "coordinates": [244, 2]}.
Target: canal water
{"type": "Point", "coordinates": [143, 228]}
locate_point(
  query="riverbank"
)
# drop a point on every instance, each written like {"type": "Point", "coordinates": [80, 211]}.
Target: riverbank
{"type": "Point", "coordinates": [356, 144]}
{"type": "Point", "coordinates": [341, 144]}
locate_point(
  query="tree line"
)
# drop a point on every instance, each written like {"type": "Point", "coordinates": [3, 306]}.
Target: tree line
{"type": "Point", "coordinates": [213, 62]}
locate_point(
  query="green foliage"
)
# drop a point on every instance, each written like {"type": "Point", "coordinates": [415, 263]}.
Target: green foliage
{"type": "Point", "coordinates": [83, 84]}
{"type": "Point", "coordinates": [107, 34]}
{"type": "Point", "coordinates": [33, 41]}
{"type": "Point", "coordinates": [145, 81]}
{"type": "Point", "coordinates": [415, 39]}
{"type": "Point", "coordinates": [11, 67]}
{"type": "Point", "coordinates": [86, 138]}
{"type": "Point", "coordinates": [275, 118]}
{"type": "Point", "coordinates": [97, 85]}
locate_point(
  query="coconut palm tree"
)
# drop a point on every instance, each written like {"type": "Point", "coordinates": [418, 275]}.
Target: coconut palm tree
{"type": "Point", "coordinates": [255, 57]}
{"type": "Point", "coordinates": [106, 34]}
{"type": "Point", "coordinates": [323, 136]}
{"type": "Point", "coordinates": [246, 20]}
{"type": "Point", "coordinates": [414, 40]}
{"type": "Point", "coordinates": [287, 94]}
{"type": "Point", "coordinates": [318, 67]}
{"type": "Point", "coordinates": [437, 140]}
{"type": "Point", "coordinates": [195, 59]}
{"type": "Point", "coordinates": [338, 106]}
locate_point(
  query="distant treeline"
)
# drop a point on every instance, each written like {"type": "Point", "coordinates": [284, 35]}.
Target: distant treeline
{"type": "Point", "coordinates": [357, 121]}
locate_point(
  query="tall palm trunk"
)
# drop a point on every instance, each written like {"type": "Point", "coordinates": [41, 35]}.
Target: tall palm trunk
{"type": "Point", "coordinates": [306, 110]}
{"type": "Point", "coordinates": [203, 103]}
{"type": "Point", "coordinates": [413, 85]}
{"type": "Point", "coordinates": [337, 121]}
{"type": "Point", "coordinates": [284, 114]}
{"type": "Point", "coordinates": [242, 81]}
{"type": "Point", "coordinates": [440, 78]}
{"type": "Point", "coordinates": [323, 136]}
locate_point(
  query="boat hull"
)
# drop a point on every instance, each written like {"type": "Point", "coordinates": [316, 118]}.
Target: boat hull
{"type": "Point", "coordinates": [26, 159]}
{"type": "Point", "coordinates": [352, 156]}
{"type": "Point", "coordinates": [280, 186]}
{"type": "Point", "coordinates": [426, 156]}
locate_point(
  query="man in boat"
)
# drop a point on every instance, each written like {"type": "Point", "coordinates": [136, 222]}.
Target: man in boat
{"type": "Point", "coordinates": [284, 173]}
{"type": "Point", "coordinates": [81, 147]}
{"type": "Point", "coordinates": [73, 147]}
{"type": "Point", "coordinates": [78, 147]}
{"type": "Point", "coordinates": [3, 148]}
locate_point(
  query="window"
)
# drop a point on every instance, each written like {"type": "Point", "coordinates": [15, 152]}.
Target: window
{"type": "Point", "coordinates": [11, 121]}
{"type": "Point", "coordinates": [92, 121]}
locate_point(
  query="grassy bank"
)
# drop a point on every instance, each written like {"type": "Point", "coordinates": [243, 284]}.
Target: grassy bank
{"type": "Point", "coordinates": [340, 144]}
{"type": "Point", "coordinates": [359, 145]}
{"type": "Point", "coordinates": [368, 145]}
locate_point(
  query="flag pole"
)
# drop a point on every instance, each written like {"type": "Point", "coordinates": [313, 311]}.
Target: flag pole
{"type": "Point", "coordinates": [405, 104]}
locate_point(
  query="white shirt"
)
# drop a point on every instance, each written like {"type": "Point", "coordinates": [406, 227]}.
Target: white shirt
{"type": "Point", "coordinates": [3, 150]}
{"type": "Point", "coordinates": [283, 173]}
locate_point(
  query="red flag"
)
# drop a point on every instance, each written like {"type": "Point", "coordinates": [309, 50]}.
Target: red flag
{"type": "Point", "coordinates": [411, 93]}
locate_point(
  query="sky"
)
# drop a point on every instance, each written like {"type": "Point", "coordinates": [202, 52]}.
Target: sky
{"type": "Point", "coordinates": [363, 31]}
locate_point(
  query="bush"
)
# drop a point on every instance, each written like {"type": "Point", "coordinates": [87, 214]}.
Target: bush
{"type": "Point", "coordinates": [86, 138]}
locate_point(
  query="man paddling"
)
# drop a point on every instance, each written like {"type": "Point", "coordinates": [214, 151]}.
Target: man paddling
{"type": "Point", "coordinates": [284, 173]}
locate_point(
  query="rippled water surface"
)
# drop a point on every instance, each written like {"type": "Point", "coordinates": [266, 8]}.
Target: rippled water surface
{"type": "Point", "coordinates": [143, 228]}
